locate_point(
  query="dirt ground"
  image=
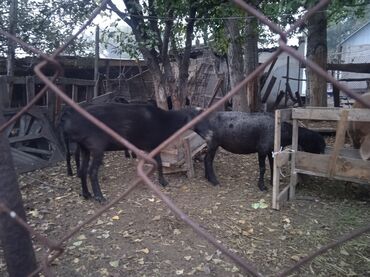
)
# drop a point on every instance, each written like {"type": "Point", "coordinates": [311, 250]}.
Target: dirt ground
{"type": "Point", "coordinates": [140, 237]}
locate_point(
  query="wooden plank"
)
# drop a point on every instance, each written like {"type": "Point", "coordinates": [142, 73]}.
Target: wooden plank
{"type": "Point", "coordinates": [265, 76]}
{"type": "Point", "coordinates": [346, 152]}
{"type": "Point", "coordinates": [89, 94]}
{"type": "Point", "coordinates": [269, 89]}
{"type": "Point", "coordinates": [293, 174]}
{"type": "Point", "coordinates": [324, 130]}
{"type": "Point", "coordinates": [28, 158]}
{"type": "Point", "coordinates": [349, 169]}
{"type": "Point", "coordinates": [339, 141]}
{"type": "Point", "coordinates": [286, 114]}
{"type": "Point", "coordinates": [30, 88]}
{"type": "Point", "coordinates": [283, 196]}
{"type": "Point", "coordinates": [74, 93]}
{"type": "Point", "coordinates": [51, 103]}
{"type": "Point", "coordinates": [278, 99]}
{"type": "Point", "coordinates": [24, 162]}
{"type": "Point", "coordinates": [34, 150]}
{"type": "Point", "coordinates": [74, 81]}
{"type": "Point", "coordinates": [23, 138]}
{"type": "Point", "coordinates": [336, 96]}
{"type": "Point", "coordinates": [282, 159]}
{"type": "Point", "coordinates": [215, 91]}
{"type": "Point", "coordinates": [320, 113]}
{"type": "Point", "coordinates": [276, 176]}
{"type": "Point", "coordinates": [4, 93]}
{"type": "Point", "coordinates": [350, 67]}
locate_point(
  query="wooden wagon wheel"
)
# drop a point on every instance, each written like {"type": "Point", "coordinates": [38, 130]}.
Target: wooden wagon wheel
{"type": "Point", "coordinates": [32, 141]}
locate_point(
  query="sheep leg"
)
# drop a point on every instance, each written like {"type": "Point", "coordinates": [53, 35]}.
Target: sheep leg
{"type": "Point", "coordinates": [208, 165]}
{"type": "Point", "coordinates": [97, 159]}
{"type": "Point", "coordinates": [83, 172]}
{"type": "Point", "coordinates": [271, 162]}
{"type": "Point", "coordinates": [68, 156]}
{"type": "Point", "coordinates": [262, 166]}
{"type": "Point", "coordinates": [77, 159]}
{"type": "Point", "coordinates": [161, 178]}
{"type": "Point", "coordinates": [127, 153]}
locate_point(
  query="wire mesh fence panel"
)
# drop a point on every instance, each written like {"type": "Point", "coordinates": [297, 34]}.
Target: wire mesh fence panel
{"type": "Point", "coordinates": [54, 249]}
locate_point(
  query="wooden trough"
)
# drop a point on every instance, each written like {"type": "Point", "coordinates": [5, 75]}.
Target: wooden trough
{"type": "Point", "coordinates": [337, 162]}
{"type": "Point", "coordinates": [178, 156]}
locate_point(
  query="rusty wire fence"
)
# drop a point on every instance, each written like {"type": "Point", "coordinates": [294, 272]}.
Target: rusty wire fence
{"type": "Point", "coordinates": [54, 249]}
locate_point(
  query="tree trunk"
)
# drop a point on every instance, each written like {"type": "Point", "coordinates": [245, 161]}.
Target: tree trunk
{"type": "Point", "coordinates": [13, 12]}
{"type": "Point", "coordinates": [251, 63]}
{"type": "Point", "coordinates": [235, 56]}
{"type": "Point", "coordinates": [15, 240]}
{"type": "Point", "coordinates": [317, 52]}
{"type": "Point", "coordinates": [160, 88]}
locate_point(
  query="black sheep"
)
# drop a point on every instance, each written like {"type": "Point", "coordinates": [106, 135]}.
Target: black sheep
{"type": "Point", "coordinates": [145, 126]}
{"type": "Point", "coordinates": [247, 133]}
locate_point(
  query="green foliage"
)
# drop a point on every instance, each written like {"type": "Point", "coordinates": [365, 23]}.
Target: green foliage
{"type": "Point", "coordinates": [46, 24]}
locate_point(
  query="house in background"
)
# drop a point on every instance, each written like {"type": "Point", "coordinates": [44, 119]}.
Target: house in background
{"type": "Point", "coordinates": [286, 69]}
{"type": "Point", "coordinates": [356, 49]}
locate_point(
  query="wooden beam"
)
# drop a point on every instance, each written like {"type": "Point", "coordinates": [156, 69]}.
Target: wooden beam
{"type": "Point", "coordinates": [347, 168]}
{"type": "Point", "coordinates": [269, 89]}
{"type": "Point", "coordinates": [321, 113]}
{"type": "Point", "coordinates": [350, 67]}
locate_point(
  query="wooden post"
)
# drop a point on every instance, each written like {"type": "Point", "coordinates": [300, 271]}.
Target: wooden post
{"type": "Point", "coordinates": [51, 105]}
{"type": "Point", "coordinates": [217, 87]}
{"type": "Point", "coordinates": [96, 62]}
{"type": "Point", "coordinates": [4, 92]}
{"type": "Point", "coordinates": [276, 176]}
{"type": "Point", "coordinates": [107, 75]}
{"type": "Point", "coordinates": [287, 82]}
{"type": "Point", "coordinates": [336, 96]}
{"type": "Point", "coordinates": [89, 93]}
{"type": "Point", "coordinates": [30, 88]}
{"type": "Point", "coordinates": [188, 158]}
{"type": "Point", "coordinates": [293, 174]}
{"type": "Point", "coordinates": [74, 93]}
{"type": "Point", "coordinates": [340, 136]}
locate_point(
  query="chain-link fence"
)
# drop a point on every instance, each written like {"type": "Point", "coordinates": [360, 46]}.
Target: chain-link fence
{"type": "Point", "coordinates": [54, 249]}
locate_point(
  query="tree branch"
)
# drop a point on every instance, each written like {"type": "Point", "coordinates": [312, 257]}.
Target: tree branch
{"type": "Point", "coordinates": [154, 23]}
{"type": "Point", "coordinates": [122, 15]}
{"type": "Point", "coordinates": [189, 36]}
{"type": "Point", "coordinates": [167, 33]}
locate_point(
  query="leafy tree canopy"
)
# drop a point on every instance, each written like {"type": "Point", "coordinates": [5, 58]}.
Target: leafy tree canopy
{"type": "Point", "coordinates": [46, 24]}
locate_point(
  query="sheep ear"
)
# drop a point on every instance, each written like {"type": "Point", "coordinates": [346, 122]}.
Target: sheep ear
{"type": "Point", "coordinates": [365, 148]}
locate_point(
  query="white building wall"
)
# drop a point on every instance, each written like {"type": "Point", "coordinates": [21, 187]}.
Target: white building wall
{"type": "Point", "coordinates": [279, 71]}
{"type": "Point", "coordinates": [356, 49]}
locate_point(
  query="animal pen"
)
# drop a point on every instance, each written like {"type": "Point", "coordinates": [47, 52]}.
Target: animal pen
{"type": "Point", "coordinates": [337, 162]}
{"type": "Point", "coordinates": [54, 249]}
